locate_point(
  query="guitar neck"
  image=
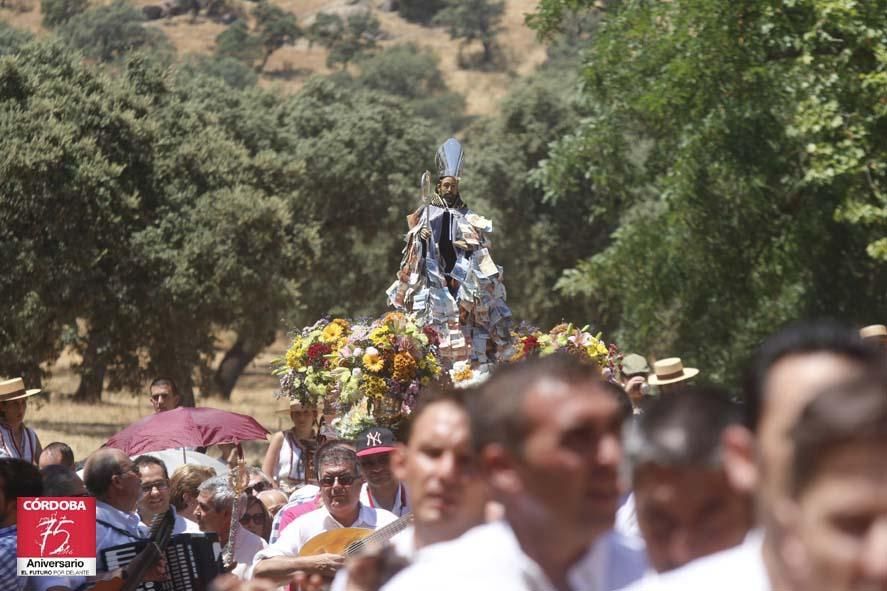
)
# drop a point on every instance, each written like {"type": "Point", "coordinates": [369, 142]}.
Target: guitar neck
{"type": "Point", "coordinates": [380, 536]}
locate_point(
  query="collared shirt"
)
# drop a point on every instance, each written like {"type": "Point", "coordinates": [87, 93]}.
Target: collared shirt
{"type": "Point", "coordinates": [181, 525]}
{"type": "Point", "coordinates": [738, 569]}
{"type": "Point", "coordinates": [289, 513]}
{"type": "Point", "coordinates": [490, 557]}
{"type": "Point", "coordinates": [8, 578]}
{"type": "Point", "coordinates": [114, 527]}
{"type": "Point", "coordinates": [316, 522]}
{"type": "Point", "coordinates": [246, 546]}
{"type": "Point", "coordinates": [401, 504]}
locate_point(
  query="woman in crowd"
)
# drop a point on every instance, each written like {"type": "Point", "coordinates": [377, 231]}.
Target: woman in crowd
{"type": "Point", "coordinates": [16, 440]}
{"type": "Point", "coordinates": [256, 518]}
{"type": "Point", "coordinates": [289, 452]}
{"type": "Point", "coordinates": [183, 487]}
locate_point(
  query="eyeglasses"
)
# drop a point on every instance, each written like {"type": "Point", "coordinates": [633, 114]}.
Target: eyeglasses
{"type": "Point", "coordinates": [258, 487]}
{"type": "Point", "coordinates": [344, 480]}
{"type": "Point", "coordinates": [149, 486]}
{"type": "Point", "coordinates": [257, 518]}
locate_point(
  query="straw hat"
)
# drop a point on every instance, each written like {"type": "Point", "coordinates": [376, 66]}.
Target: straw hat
{"type": "Point", "coordinates": [287, 406]}
{"type": "Point", "coordinates": [670, 371]}
{"type": "Point", "coordinates": [14, 389]}
{"type": "Point", "coordinates": [874, 331]}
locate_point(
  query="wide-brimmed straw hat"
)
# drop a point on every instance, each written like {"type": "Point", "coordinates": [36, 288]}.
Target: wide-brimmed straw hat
{"type": "Point", "coordinates": [874, 331]}
{"type": "Point", "coordinates": [14, 389]}
{"type": "Point", "coordinates": [670, 371]}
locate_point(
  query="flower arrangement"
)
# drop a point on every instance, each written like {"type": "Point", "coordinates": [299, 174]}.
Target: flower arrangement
{"type": "Point", "coordinates": [387, 362]}
{"type": "Point", "coordinates": [305, 370]}
{"type": "Point", "coordinates": [571, 340]}
{"type": "Point", "coordinates": [463, 375]}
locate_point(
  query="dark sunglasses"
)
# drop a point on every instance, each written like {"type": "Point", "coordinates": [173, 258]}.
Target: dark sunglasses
{"type": "Point", "coordinates": [257, 518]}
{"type": "Point", "coordinates": [256, 488]}
{"type": "Point", "coordinates": [344, 480]}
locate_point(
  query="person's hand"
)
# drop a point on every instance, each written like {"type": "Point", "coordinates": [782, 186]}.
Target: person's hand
{"type": "Point", "coordinates": [158, 571]}
{"type": "Point", "coordinates": [326, 565]}
{"type": "Point", "coordinates": [229, 582]}
{"type": "Point", "coordinates": [633, 387]}
{"type": "Point", "coordinates": [372, 569]}
{"type": "Point", "coordinates": [425, 233]}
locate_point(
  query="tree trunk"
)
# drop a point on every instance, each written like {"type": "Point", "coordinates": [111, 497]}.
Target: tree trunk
{"type": "Point", "coordinates": [236, 359]}
{"type": "Point", "coordinates": [92, 374]}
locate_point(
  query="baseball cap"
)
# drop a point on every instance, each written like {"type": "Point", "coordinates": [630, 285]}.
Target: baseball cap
{"type": "Point", "coordinates": [375, 440]}
{"type": "Point", "coordinates": [634, 364]}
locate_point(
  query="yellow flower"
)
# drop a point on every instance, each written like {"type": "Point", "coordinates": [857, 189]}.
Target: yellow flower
{"type": "Point", "coordinates": [372, 360]}
{"type": "Point", "coordinates": [294, 354]}
{"type": "Point", "coordinates": [430, 365]}
{"type": "Point", "coordinates": [404, 367]}
{"type": "Point", "coordinates": [374, 387]}
{"type": "Point", "coordinates": [331, 332]}
{"type": "Point", "coordinates": [465, 373]}
{"type": "Point", "coordinates": [381, 337]}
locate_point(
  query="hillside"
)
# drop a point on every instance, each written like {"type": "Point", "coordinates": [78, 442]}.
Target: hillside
{"type": "Point", "coordinates": [290, 66]}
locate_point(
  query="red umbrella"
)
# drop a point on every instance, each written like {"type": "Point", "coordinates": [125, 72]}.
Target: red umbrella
{"type": "Point", "coordinates": [186, 427]}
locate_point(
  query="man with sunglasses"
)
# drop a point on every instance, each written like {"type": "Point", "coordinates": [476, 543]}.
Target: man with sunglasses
{"type": "Point", "coordinates": [156, 496]}
{"type": "Point", "coordinates": [340, 483]}
{"type": "Point", "coordinates": [382, 489]}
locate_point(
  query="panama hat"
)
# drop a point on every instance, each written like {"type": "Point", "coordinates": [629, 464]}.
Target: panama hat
{"type": "Point", "coordinates": [874, 331]}
{"type": "Point", "coordinates": [14, 389]}
{"type": "Point", "coordinates": [285, 407]}
{"type": "Point", "coordinates": [669, 371]}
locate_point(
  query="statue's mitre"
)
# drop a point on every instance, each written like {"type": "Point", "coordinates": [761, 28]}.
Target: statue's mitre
{"type": "Point", "coordinates": [450, 159]}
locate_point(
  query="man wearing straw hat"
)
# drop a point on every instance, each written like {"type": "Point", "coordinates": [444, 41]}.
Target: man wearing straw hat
{"type": "Point", "coordinates": [670, 371]}
{"type": "Point", "coordinates": [16, 440]}
{"type": "Point", "coordinates": [875, 334]}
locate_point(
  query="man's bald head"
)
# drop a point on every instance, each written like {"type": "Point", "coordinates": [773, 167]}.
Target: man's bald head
{"type": "Point", "coordinates": [101, 467]}
{"type": "Point", "coordinates": [273, 499]}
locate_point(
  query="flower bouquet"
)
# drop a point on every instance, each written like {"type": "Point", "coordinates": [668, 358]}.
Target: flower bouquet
{"type": "Point", "coordinates": [571, 340]}
{"type": "Point", "coordinates": [305, 370]}
{"type": "Point", "coordinates": [386, 363]}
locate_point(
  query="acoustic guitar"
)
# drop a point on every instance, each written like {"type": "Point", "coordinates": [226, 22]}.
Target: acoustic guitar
{"type": "Point", "coordinates": [135, 571]}
{"type": "Point", "coordinates": [351, 541]}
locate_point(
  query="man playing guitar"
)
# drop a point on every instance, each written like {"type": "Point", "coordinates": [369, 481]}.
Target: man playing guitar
{"type": "Point", "coordinates": [340, 482]}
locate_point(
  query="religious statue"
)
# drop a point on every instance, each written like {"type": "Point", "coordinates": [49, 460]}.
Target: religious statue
{"type": "Point", "coordinates": [447, 275]}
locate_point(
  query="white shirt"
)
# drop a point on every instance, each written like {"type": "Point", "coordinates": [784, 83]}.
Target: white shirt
{"type": "Point", "coordinates": [627, 521]}
{"type": "Point", "coordinates": [316, 522]}
{"type": "Point", "coordinates": [490, 557]}
{"type": "Point", "coordinates": [289, 460]}
{"type": "Point", "coordinates": [181, 525]}
{"type": "Point", "coordinates": [246, 546]}
{"type": "Point", "coordinates": [114, 527]}
{"type": "Point", "coordinates": [738, 569]}
{"type": "Point", "coordinates": [401, 502]}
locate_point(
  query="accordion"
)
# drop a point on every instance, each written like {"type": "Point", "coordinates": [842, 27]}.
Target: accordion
{"type": "Point", "coordinates": [192, 561]}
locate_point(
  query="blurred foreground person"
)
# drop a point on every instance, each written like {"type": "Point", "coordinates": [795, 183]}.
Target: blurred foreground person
{"type": "Point", "coordinates": [546, 433]}
{"type": "Point", "coordinates": [787, 372]}
{"type": "Point", "coordinates": [18, 478]}
{"type": "Point", "coordinates": [835, 518]}
{"type": "Point", "coordinates": [686, 506]}
{"type": "Point", "coordinates": [438, 467]}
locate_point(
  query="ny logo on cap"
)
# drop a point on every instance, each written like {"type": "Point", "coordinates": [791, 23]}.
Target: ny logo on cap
{"type": "Point", "coordinates": [374, 439]}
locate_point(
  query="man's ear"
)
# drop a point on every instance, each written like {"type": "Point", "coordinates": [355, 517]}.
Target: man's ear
{"type": "Point", "coordinates": [500, 468]}
{"type": "Point", "coordinates": [399, 461]}
{"type": "Point", "coordinates": [738, 444]}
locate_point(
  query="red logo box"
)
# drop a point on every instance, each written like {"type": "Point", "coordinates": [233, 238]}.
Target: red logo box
{"type": "Point", "coordinates": [56, 536]}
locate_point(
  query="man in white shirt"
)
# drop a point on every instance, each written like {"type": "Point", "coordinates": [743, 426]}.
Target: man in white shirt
{"type": "Point", "coordinates": [156, 496]}
{"type": "Point", "coordinates": [787, 372]}
{"type": "Point", "coordinates": [685, 505]}
{"type": "Point", "coordinates": [547, 437]}
{"type": "Point", "coordinates": [382, 489]}
{"type": "Point", "coordinates": [340, 480]}
{"type": "Point", "coordinates": [215, 505]}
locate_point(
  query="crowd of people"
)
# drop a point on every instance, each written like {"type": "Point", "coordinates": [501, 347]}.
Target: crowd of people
{"type": "Point", "coordinates": [547, 477]}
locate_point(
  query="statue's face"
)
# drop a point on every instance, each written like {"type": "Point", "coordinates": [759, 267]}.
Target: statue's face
{"type": "Point", "coordinates": [448, 186]}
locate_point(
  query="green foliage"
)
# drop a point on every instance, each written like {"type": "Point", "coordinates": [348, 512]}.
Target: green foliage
{"type": "Point", "coordinates": [107, 33]}
{"type": "Point", "coordinates": [58, 12]}
{"type": "Point", "coordinates": [233, 71]}
{"type": "Point", "coordinates": [473, 20]}
{"type": "Point", "coordinates": [345, 39]}
{"type": "Point", "coordinates": [12, 39]}
{"type": "Point", "coordinates": [414, 75]}
{"type": "Point", "coordinates": [419, 11]}
{"type": "Point", "coordinates": [276, 28]}
{"type": "Point", "coordinates": [236, 42]}
{"type": "Point", "coordinates": [746, 144]}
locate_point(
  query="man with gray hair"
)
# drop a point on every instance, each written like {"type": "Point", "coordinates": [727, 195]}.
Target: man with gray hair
{"type": "Point", "coordinates": [339, 476]}
{"type": "Point", "coordinates": [686, 506]}
{"type": "Point", "coordinates": [215, 504]}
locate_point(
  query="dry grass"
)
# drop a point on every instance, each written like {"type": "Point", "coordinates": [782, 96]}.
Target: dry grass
{"type": "Point", "coordinates": [86, 426]}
